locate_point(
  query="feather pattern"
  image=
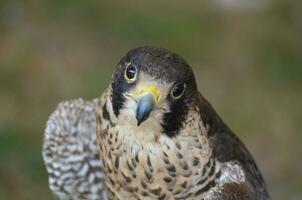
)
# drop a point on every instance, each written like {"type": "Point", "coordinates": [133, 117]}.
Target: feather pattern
{"type": "Point", "coordinates": [71, 154]}
{"type": "Point", "coordinates": [95, 149]}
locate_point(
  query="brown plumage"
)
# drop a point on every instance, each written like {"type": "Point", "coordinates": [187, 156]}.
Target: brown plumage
{"type": "Point", "coordinates": [182, 149]}
{"type": "Point", "coordinates": [159, 138]}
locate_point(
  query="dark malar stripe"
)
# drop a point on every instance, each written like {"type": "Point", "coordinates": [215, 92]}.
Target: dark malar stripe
{"type": "Point", "coordinates": [119, 87]}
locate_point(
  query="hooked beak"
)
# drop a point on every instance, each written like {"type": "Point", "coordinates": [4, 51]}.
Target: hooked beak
{"type": "Point", "coordinates": [146, 102]}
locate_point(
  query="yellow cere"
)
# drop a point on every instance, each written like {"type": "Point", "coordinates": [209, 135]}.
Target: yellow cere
{"type": "Point", "coordinates": [148, 89]}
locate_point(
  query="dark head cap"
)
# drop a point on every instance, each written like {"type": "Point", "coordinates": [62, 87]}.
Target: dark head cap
{"type": "Point", "coordinates": [161, 64]}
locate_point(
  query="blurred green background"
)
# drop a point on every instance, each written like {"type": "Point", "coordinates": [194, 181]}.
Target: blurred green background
{"type": "Point", "coordinates": [247, 56]}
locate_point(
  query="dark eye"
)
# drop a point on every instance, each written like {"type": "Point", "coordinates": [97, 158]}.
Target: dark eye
{"type": "Point", "coordinates": [178, 90]}
{"type": "Point", "coordinates": [130, 73]}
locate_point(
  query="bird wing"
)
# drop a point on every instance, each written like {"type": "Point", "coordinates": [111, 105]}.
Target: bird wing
{"type": "Point", "coordinates": [228, 149]}
{"type": "Point", "coordinates": [71, 154]}
{"type": "Point", "coordinates": [232, 184]}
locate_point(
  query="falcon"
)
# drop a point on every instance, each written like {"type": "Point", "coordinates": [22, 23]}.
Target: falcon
{"type": "Point", "coordinates": [157, 138]}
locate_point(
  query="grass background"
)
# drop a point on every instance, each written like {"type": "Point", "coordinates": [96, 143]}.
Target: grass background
{"type": "Point", "coordinates": [247, 58]}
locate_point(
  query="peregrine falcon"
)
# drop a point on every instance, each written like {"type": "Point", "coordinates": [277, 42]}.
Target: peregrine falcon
{"type": "Point", "coordinates": [158, 138]}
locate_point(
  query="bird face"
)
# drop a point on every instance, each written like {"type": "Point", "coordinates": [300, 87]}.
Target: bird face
{"type": "Point", "coordinates": [153, 88]}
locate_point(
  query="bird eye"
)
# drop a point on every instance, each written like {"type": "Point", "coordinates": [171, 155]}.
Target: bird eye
{"type": "Point", "coordinates": [130, 73]}
{"type": "Point", "coordinates": [178, 90]}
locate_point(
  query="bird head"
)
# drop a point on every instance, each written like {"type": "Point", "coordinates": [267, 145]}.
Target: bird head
{"type": "Point", "coordinates": [153, 85]}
